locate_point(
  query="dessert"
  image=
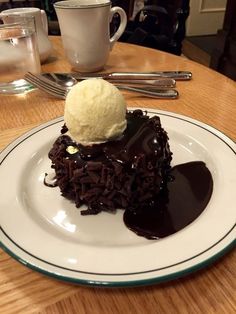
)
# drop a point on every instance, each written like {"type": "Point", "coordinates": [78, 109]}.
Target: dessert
{"type": "Point", "coordinates": [109, 158]}
{"type": "Point", "coordinates": [125, 171]}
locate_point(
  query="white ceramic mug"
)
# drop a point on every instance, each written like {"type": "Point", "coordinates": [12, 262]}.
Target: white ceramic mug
{"type": "Point", "coordinates": [85, 31]}
{"type": "Point", "coordinates": [41, 23]}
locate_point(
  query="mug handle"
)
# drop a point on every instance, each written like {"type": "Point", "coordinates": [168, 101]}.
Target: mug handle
{"type": "Point", "coordinates": [44, 21]}
{"type": "Point", "coordinates": [122, 26]}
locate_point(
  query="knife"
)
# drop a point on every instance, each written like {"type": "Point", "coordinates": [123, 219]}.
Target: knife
{"type": "Point", "coordinates": [176, 75]}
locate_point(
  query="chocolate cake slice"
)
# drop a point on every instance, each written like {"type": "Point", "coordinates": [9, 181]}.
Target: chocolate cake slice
{"type": "Point", "coordinates": [125, 173]}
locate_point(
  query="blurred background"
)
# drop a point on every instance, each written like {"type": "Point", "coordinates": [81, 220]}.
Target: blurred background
{"type": "Point", "coordinates": [201, 30]}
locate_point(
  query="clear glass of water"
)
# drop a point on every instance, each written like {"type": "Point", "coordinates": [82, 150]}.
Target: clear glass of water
{"type": "Point", "coordinates": [18, 53]}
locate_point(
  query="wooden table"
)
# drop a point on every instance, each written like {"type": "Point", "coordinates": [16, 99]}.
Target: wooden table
{"type": "Point", "coordinates": [209, 97]}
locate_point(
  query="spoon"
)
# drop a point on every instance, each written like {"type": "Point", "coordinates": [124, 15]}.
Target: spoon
{"type": "Point", "coordinates": [62, 79]}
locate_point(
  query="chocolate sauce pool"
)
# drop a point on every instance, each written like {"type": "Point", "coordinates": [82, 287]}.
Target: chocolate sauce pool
{"type": "Point", "coordinates": [177, 205]}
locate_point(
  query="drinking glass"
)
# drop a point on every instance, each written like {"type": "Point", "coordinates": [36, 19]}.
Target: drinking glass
{"type": "Point", "coordinates": [19, 53]}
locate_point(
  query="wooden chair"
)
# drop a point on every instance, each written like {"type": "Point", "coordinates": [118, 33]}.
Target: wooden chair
{"type": "Point", "coordinates": [160, 24]}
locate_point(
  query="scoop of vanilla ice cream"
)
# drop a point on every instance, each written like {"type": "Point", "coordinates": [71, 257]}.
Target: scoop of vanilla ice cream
{"type": "Point", "coordinates": [95, 111]}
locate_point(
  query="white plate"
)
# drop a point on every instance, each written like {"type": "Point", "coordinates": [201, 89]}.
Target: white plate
{"type": "Point", "coordinates": [44, 231]}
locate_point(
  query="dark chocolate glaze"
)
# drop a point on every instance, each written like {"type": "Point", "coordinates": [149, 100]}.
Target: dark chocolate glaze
{"type": "Point", "coordinates": [143, 135]}
{"type": "Point", "coordinates": [183, 199]}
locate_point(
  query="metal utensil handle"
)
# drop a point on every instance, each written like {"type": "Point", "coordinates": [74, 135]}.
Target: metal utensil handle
{"type": "Point", "coordinates": [177, 75]}
{"type": "Point", "coordinates": [151, 92]}
{"type": "Point", "coordinates": [160, 83]}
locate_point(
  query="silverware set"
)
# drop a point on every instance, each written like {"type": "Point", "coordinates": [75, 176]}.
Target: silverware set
{"type": "Point", "coordinates": [150, 84]}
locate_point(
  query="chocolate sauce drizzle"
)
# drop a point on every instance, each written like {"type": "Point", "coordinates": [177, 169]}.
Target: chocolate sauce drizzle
{"type": "Point", "coordinates": [178, 204]}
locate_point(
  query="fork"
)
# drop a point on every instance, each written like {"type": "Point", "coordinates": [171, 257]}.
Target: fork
{"type": "Point", "coordinates": [59, 91]}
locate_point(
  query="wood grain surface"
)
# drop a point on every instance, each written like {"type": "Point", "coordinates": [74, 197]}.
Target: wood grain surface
{"type": "Point", "coordinates": [211, 98]}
